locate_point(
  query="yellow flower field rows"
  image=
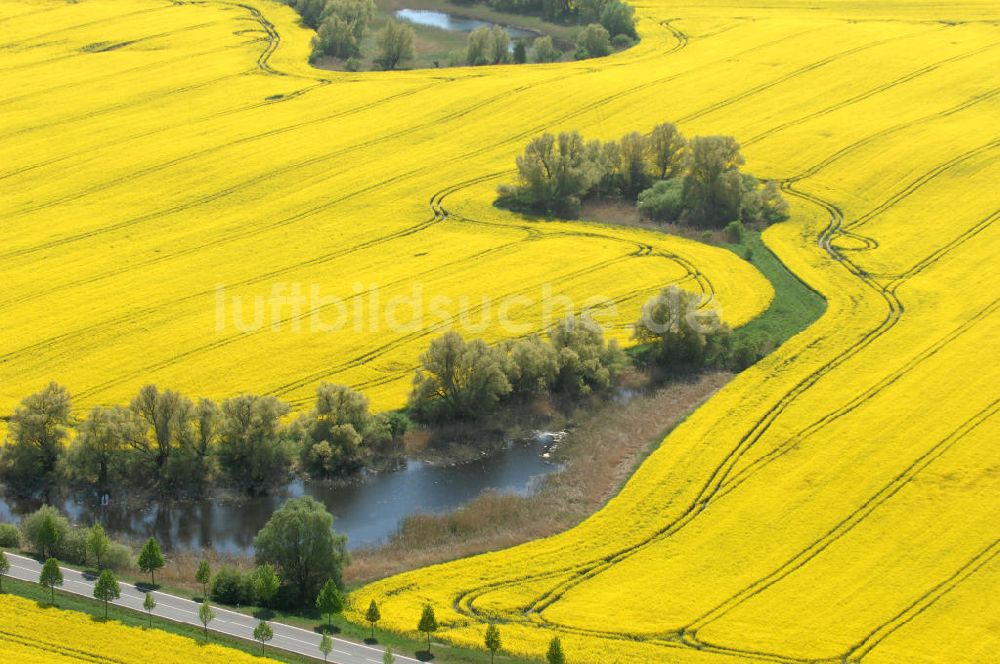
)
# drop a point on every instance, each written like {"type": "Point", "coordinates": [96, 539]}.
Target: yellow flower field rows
{"type": "Point", "coordinates": [168, 165]}
{"type": "Point", "coordinates": [835, 502]}
{"type": "Point", "coordinates": [34, 635]}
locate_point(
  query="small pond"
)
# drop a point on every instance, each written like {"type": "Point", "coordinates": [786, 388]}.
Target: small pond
{"type": "Point", "coordinates": [368, 510]}
{"type": "Point", "coordinates": [445, 21]}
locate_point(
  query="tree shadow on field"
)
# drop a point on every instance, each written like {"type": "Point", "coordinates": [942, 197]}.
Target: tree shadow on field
{"type": "Point", "coordinates": [144, 587]}
{"type": "Point", "coordinates": [424, 655]}
{"type": "Point", "coordinates": [263, 614]}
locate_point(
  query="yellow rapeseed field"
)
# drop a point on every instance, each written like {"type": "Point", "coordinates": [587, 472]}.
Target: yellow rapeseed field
{"type": "Point", "coordinates": [836, 502]}
{"type": "Point", "coordinates": [31, 634]}
{"type": "Point", "coordinates": [186, 202]}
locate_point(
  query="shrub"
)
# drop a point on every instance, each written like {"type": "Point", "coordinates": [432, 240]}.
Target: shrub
{"type": "Point", "coordinates": [10, 536]}
{"type": "Point", "coordinates": [44, 530]}
{"type": "Point", "coordinates": [621, 42]}
{"type": "Point", "coordinates": [230, 586]}
{"type": "Point", "coordinates": [617, 18]}
{"type": "Point", "coordinates": [352, 64]}
{"type": "Point", "coordinates": [542, 50]}
{"type": "Point", "coordinates": [594, 40]}
{"type": "Point", "coordinates": [118, 557]}
{"type": "Point", "coordinates": [734, 231]}
{"type": "Point", "coordinates": [73, 547]}
{"type": "Point", "coordinates": [664, 201]}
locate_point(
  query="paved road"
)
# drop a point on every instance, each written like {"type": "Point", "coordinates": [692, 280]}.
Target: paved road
{"type": "Point", "coordinates": [171, 607]}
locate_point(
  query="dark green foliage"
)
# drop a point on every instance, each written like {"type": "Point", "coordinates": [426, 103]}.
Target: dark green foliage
{"type": "Point", "coordinates": [106, 589]}
{"type": "Point", "coordinates": [593, 42]}
{"type": "Point", "coordinates": [458, 379]}
{"type": "Point", "coordinates": [520, 54]}
{"type": "Point", "coordinates": [586, 363]}
{"type": "Point", "coordinates": [664, 201]}
{"type": "Point", "coordinates": [262, 633]}
{"type": "Point", "coordinates": [373, 615]}
{"type": "Point", "coordinates": [683, 335]}
{"type": "Point", "coordinates": [45, 530]}
{"type": "Point", "coordinates": [10, 536]}
{"type": "Point", "coordinates": [618, 19]}
{"type": "Point", "coordinates": [231, 587]}
{"type": "Point", "coordinates": [542, 50]}
{"type": "Point", "coordinates": [698, 183]}
{"type": "Point", "coordinates": [428, 623]}
{"type": "Point", "coordinates": [35, 443]}
{"type": "Point", "coordinates": [50, 577]}
{"type": "Point", "coordinates": [333, 435]}
{"type": "Point", "coordinates": [300, 542]}
{"type": "Point", "coordinates": [492, 640]}
{"type": "Point", "coordinates": [554, 174]}
{"type": "Point", "coordinates": [395, 43]}
{"type": "Point", "coordinates": [254, 449]}
{"type": "Point", "coordinates": [466, 380]}
{"type": "Point", "coordinates": [713, 186]}
{"type": "Point", "coordinates": [150, 559]}
{"type": "Point", "coordinates": [203, 575]}
{"type": "Point", "coordinates": [341, 26]}
{"type": "Point", "coordinates": [555, 652]}
{"type": "Point", "coordinates": [330, 601]}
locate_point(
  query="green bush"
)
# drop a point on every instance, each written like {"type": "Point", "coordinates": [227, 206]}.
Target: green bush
{"type": "Point", "coordinates": [593, 40]}
{"type": "Point", "coordinates": [734, 231]}
{"type": "Point", "coordinates": [118, 557]}
{"type": "Point", "coordinates": [621, 42]}
{"type": "Point", "coordinates": [352, 64]}
{"type": "Point", "coordinates": [44, 530]}
{"type": "Point", "coordinates": [664, 201]}
{"type": "Point", "coordinates": [232, 587]}
{"type": "Point", "coordinates": [73, 547]}
{"type": "Point", "coordinates": [10, 536]}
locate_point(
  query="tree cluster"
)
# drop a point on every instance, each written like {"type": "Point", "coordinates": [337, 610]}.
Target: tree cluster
{"type": "Point", "coordinates": [339, 24]}
{"type": "Point", "coordinates": [49, 534]}
{"type": "Point", "coordinates": [464, 380]}
{"type": "Point", "coordinates": [696, 182]}
{"type": "Point", "coordinates": [680, 335]}
{"type": "Point", "coordinates": [167, 442]}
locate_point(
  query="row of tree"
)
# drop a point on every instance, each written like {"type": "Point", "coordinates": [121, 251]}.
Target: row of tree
{"type": "Point", "coordinates": [696, 182]}
{"type": "Point", "coordinates": [168, 442]}
{"type": "Point", "coordinates": [463, 380]}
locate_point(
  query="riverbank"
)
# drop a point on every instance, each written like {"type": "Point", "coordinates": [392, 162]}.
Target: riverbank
{"type": "Point", "coordinates": [604, 447]}
{"type": "Point", "coordinates": [436, 47]}
{"type": "Point", "coordinates": [609, 441]}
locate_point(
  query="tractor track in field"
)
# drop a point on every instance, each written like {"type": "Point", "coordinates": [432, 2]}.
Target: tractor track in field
{"type": "Point", "coordinates": [822, 62]}
{"type": "Point", "coordinates": [871, 640]}
{"type": "Point", "coordinates": [116, 75]}
{"type": "Point", "coordinates": [849, 522]}
{"type": "Point", "coordinates": [464, 602]}
{"type": "Point", "coordinates": [716, 480]}
{"type": "Point", "coordinates": [81, 53]}
{"type": "Point", "coordinates": [686, 637]}
{"type": "Point", "coordinates": [62, 30]}
{"type": "Point", "coordinates": [34, 348]}
{"type": "Point", "coordinates": [868, 94]}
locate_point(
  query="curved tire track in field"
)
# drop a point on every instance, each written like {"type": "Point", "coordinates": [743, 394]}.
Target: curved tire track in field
{"type": "Point", "coordinates": [464, 603]}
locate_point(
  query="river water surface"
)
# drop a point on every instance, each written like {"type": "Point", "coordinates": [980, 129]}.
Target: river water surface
{"type": "Point", "coordinates": [367, 511]}
{"type": "Point", "coordinates": [456, 23]}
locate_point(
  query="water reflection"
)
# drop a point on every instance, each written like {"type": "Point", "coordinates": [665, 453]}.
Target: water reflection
{"type": "Point", "coordinates": [368, 510]}
{"type": "Point", "coordinates": [456, 23]}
